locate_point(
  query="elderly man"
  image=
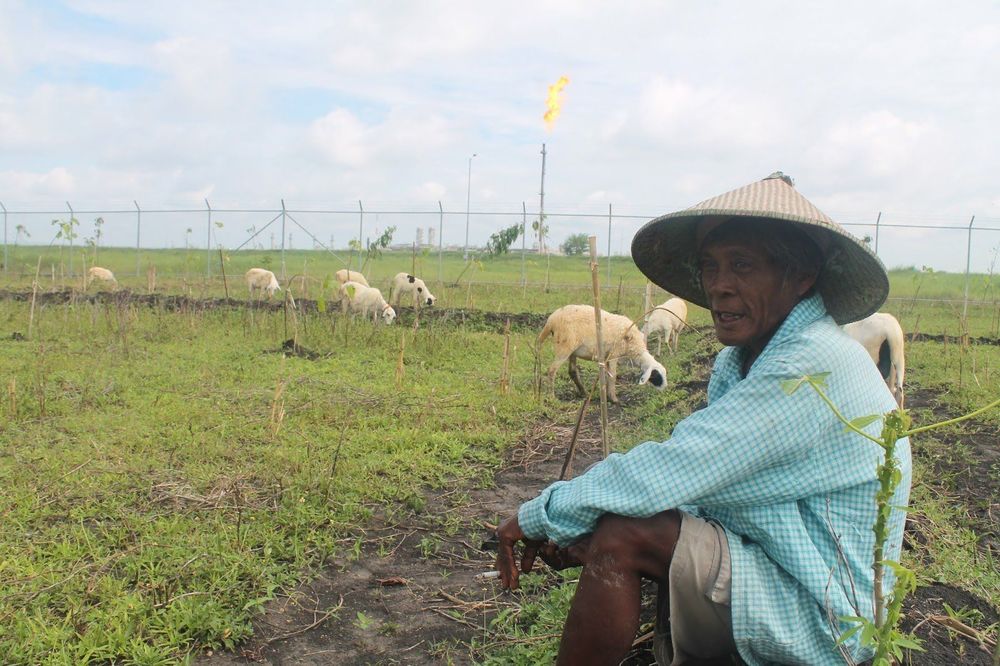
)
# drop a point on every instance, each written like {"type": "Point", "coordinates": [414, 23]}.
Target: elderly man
{"type": "Point", "coordinates": [755, 516]}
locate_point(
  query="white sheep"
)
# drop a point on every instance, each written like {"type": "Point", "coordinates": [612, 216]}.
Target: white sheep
{"type": "Point", "coordinates": [103, 274]}
{"type": "Point", "coordinates": [262, 280]}
{"type": "Point", "coordinates": [575, 336]}
{"type": "Point", "coordinates": [346, 275]}
{"type": "Point", "coordinates": [666, 321]}
{"type": "Point", "coordinates": [368, 301]}
{"type": "Point", "coordinates": [882, 337]}
{"type": "Point", "coordinates": [405, 284]}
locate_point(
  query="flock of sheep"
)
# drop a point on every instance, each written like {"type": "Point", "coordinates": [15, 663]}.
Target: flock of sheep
{"type": "Point", "coordinates": [572, 327]}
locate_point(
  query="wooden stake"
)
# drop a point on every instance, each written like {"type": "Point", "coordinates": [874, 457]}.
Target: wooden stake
{"type": "Point", "coordinates": [602, 364]}
{"type": "Point", "coordinates": [536, 377]}
{"type": "Point", "coordinates": [12, 395]}
{"type": "Point", "coordinates": [151, 279]}
{"type": "Point", "coordinates": [222, 265]}
{"type": "Point", "coordinates": [647, 301]}
{"type": "Point", "coordinates": [400, 368]}
{"type": "Point", "coordinates": [618, 303]}
{"type": "Point", "coordinates": [504, 372]}
{"type": "Point", "coordinates": [34, 296]}
{"type": "Point", "coordinates": [568, 460]}
{"type": "Point", "coordinates": [277, 407]}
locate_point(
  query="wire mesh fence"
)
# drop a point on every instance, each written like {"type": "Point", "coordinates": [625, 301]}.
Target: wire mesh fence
{"type": "Point", "coordinates": [962, 244]}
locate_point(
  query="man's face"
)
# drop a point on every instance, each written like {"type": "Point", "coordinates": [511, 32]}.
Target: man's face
{"type": "Point", "coordinates": [748, 294]}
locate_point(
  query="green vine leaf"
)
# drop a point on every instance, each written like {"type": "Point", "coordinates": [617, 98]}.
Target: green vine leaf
{"type": "Point", "coordinates": [862, 421]}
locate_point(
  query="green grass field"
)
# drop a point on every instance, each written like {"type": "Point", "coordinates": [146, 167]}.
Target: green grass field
{"type": "Point", "coordinates": [165, 472]}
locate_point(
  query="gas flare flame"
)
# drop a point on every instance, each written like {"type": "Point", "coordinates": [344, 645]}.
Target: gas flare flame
{"type": "Point", "coordinates": [553, 102]}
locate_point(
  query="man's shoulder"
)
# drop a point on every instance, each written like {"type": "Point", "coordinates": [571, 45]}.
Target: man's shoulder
{"type": "Point", "coordinates": [822, 336]}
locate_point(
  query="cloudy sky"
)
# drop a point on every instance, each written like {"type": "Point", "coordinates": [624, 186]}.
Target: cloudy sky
{"type": "Point", "coordinates": [887, 107]}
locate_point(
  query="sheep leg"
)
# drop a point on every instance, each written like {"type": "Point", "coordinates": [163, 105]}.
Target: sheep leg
{"type": "Point", "coordinates": [612, 377]}
{"type": "Point", "coordinates": [552, 373]}
{"type": "Point", "coordinates": [574, 374]}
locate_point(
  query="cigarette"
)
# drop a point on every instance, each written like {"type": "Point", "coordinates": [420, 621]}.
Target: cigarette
{"type": "Point", "coordinates": [486, 575]}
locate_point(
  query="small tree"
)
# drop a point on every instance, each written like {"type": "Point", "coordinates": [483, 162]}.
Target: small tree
{"type": "Point", "coordinates": [67, 231]}
{"type": "Point", "coordinates": [19, 231]}
{"type": "Point", "coordinates": [542, 230]}
{"type": "Point", "coordinates": [94, 242]}
{"type": "Point", "coordinates": [500, 242]}
{"type": "Point", "coordinates": [575, 245]}
{"type": "Point", "coordinates": [376, 246]}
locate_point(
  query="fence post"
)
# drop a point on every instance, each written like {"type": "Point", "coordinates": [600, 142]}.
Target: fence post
{"type": "Point", "coordinates": [968, 258]}
{"type": "Point", "coordinates": [282, 240]}
{"type": "Point", "coordinates": [6, 263]}
{"type": "Point", "coordinates": [361, 232]}
{"type": "Point", "coordinates": [138, 226]}
{"type": "Point", "coordinates": [72, 216]}
{"type": "Point", "coordinates": [877, 220]}
{"type": "Point", "coordinates": [524, 241]}
{"type": "Point", "coordinates": [440, 240]}
{"type": "Point", "coordinates": [609, 245]}
{"type": "Point", "coordinates": [208, 242]}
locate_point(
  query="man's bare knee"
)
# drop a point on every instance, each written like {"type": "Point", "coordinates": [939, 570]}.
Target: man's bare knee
{"type": "Point", "coordinates": [642, 545]}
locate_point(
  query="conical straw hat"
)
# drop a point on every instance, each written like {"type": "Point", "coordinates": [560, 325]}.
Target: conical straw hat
{"type": "Point", "coordinates": [853, 282]}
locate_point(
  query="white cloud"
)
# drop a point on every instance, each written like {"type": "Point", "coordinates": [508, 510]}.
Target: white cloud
{"type": "Point", "coordinates": [430, 191]}
{"type": "Point", "coordinates": [677, 112]}
{"type": "Point", "coordinates": [342, 138]}
{"type": "Point", "coordinates": [878, 144]}
{"type": "Point", "coordinates": [59, 182]}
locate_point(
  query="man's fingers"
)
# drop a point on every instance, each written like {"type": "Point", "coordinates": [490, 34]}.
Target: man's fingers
{"type": "Point", "coordinates": [529, 555]}
{"type": "Point", "coordinates": [505, 565]}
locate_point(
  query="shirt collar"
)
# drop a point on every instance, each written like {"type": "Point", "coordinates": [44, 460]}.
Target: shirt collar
{"type": "Point", "coordinates": [805, 312]}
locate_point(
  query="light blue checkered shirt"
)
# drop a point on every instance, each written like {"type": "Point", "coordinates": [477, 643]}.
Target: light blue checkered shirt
{"type": "Point", "coordinates": [794, 491]}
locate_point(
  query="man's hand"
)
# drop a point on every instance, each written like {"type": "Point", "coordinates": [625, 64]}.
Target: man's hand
{"type": "Point", "coordinates": [509, 533]}
{"type": "Point", "coordinates": [564, 558]}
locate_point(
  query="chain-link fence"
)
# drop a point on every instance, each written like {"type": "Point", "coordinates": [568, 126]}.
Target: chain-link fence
{"type": "Point", "coordinates": [952, 243]}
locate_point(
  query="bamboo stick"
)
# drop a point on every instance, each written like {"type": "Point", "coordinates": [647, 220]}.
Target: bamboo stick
{"type": "Point", "coordinates": [602, 363]}
{"type": "Point", "coordinates": [222, 265]}
{"type": "Point", "coordinates": [34, 296]}
{"type": "Point", "coordinates": [504, 372]}
{"type": "Point", "coordinates": [568, 460]}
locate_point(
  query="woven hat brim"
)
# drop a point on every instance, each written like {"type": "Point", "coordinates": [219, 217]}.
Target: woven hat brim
{"type": "Point", "coordinates": [853, 282]}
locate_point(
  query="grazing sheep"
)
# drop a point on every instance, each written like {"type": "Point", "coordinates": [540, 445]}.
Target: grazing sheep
{"type": "Point", "coordinates": [575, 336]}
{"type": "Point", "coordinates": [666, 321]}
{"type": "Point", "coordinates": [262, 280]}
{"type": "Point", "coordinates": [882, 337]}
{"type": "Point", "coordinates": [103, 274]}
{"type": "Point", "coordinates": [413, 287]}
{"type": "Point", "coordinates": [346, 275]}
{"type": "Point", "coordinates": [366, 300]}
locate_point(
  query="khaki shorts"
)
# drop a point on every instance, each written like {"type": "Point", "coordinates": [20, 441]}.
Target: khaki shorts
{"type": "Point", "coordinates": [693, 619]}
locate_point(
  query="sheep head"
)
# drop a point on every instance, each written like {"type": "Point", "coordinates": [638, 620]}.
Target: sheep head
{"type": "Point", "coordinates": [652, 372]}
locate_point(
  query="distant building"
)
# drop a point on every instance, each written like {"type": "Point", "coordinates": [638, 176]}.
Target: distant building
{"type": "Point", "coordinates": [430, 236]}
